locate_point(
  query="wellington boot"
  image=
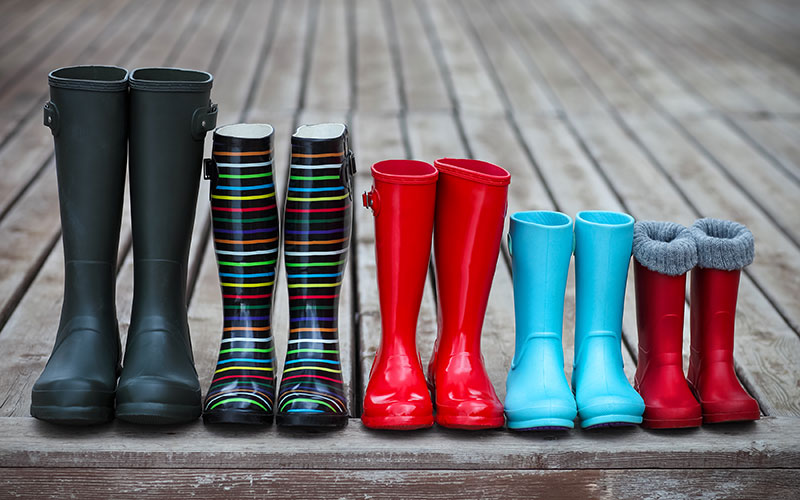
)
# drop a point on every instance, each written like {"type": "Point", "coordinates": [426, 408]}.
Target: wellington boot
{"type": "Point", "coordinates": [245, 222]}
{"type": "Point", "coordinates": [537, 393]}
{"type": "Point", "coordinates": [663, 253]}
{"type": "Point", "coordinates": [170, 115]}
{"type": "Point", "coordinates": [317, 222]}
{"type": "Point", "coordinates": [471, 201]}
{"type": "Point", "coordinates": [88, 116]}
{"type": "Point", "coordinates": [402, 199]}
{"type": "Point", "coordinates": [723, 249]}
{"type": "Point", "coordinates": [603, 242]}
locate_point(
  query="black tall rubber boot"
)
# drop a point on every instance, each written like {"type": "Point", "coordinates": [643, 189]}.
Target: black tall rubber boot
{"type": "Point", "coordinates": [170, 115]}
{"type": "Point", "coordinates": [245, 221]}
{"type": "Point", "coordinates": [88, 116]}
{"type": "Point", "coordinates": [317, 222]}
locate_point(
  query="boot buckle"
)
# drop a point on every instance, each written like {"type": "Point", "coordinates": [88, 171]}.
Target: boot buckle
{"type": "Point", "coordinates": [204, 120]}
{"type": "Point", "coordinates": [209, 169]}
{"type": "Point", "coordinates": [51, 116]}
{"type": "Point", "coordinates": [372, 200]}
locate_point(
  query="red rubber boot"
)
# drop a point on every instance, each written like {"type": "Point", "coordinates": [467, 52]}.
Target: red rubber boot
{"type": "Point", "coordinates": [723, 249]}
{"type": "Point", "coordinates": [402, 199]}
{"type": "Point", "coordinates": [470, 211]}
{"type": "Point", "coordinates": [663, 253]}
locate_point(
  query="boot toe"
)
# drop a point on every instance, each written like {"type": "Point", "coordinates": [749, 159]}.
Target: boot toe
{"type": "Point", "coordinates": [158, 400]}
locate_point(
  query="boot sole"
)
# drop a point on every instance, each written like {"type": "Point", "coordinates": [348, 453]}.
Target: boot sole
{"type": "Point", "coordinates": [739, 416]}
{"type": "Point", "coordinates": [157, 413]}
{"type": "Point", "coordinates": [611, 421]}
{"type": "Point", "coordinates": [237, 417]}
{"type": "Point", "coordinates": [541, 424]}
{"type": "Point", "coordinates": [311, 420]}
{"type": "Point", "coordinates": [399, 423]}
{"type": "Point", "coordinates": [73, 415]}
{"type": "Point", "coordinates": [470, 423]}
{"type": "Point", "coordinates": [671, 423]}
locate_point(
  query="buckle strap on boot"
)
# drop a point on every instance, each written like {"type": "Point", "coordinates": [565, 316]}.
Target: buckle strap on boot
{"type": "Point", "coordinates": [204, 120]}
{"type": "Point", "coordinates": [210, 169]}
{"type": "Point", "coordinates": [348, 169]}
{"type": "Point", "coordinates": [372, 200]}
{"type": "Point", "coordinates": [51, 117]}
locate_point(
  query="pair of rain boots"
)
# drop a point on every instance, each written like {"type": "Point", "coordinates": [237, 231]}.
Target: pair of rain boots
{"type": "Point", "coordinates": [715, 251]}
{"type": "Point", "coordinates": [317, 217]}
{"type": "Point", "coordinates": [538, 396]}
{"type": "Point", "coordinates": [459, 204]}
{"type": "Point", "coordinates": [99, 116]}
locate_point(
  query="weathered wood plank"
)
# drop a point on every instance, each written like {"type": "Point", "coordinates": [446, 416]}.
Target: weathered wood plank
{"type": "Point", "coordinates": [423, 83]}
{"type": "Point", "coordinates": [207, 483]}
{"type": "Point", "coordinates": [471, 86]}
{"type": "Point", "coordinates": [771, 442]}
{"type": "Point", "coordinates": [328, 83]}
{"type": "Point", "coordinates": [279, 89]}
{"type": "Point", "coordinates": [375, 90]}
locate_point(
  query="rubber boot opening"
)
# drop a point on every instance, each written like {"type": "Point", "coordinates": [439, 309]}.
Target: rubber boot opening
{"type": "Point", "coordinates": [543, 218]}
{"type": "Point", "coordinates": [320, 131]}
{"type": "Point", "coordinates": [605, 218]}
{"type": "Point", "coordinates": [246, 130]}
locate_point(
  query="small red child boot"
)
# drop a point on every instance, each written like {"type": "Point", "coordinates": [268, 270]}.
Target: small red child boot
{"type": "Point", "coordinates": [663, 253]}
{"type": "Point", "coordinates": [723, 249]}
{"type": "Point", "coordinates": [470, 211]}
{"type": "Point", "coordinates": [402, 199]}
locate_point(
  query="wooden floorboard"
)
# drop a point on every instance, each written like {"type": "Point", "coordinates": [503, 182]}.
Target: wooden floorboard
{"type": "Point", "coordinates": [666, 110]}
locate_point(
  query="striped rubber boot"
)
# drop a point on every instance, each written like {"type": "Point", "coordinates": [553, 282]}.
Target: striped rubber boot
{"type": "Point", "coordinates": [245, 221]}
{"type": "Point", "coordinates": [317, 220]}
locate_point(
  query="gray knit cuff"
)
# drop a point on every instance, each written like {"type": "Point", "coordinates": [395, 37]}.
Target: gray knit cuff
{"type": "Point", "coordinates": [723, 244]}
{"type": "Point", "coordinates": [664, 247]}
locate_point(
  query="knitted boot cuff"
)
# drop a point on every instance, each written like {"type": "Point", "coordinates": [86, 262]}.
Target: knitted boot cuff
{"type": "Point", "coordinates": [664, 247]}
{"type": "Point", "coordinates": [722, 244]}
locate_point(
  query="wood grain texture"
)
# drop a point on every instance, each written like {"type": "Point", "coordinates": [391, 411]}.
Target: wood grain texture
{"type": "Point", "coordinates": [381, 484]}
{"type": "Point", "coordinates": [771, 442]}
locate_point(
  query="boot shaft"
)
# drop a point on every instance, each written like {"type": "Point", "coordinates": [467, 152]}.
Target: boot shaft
{"type": "Point", "coordinates": [540, 243]}
{"type": "Point", "coordinates": [245, 226]}
{"type": "Point", "coordinates": [713, 311]}
{"type": "Point", "coordinates": [723, 249]}
{"type": "Point", "coordinates": [170, 114]}
{"type": "Point", "coordinates": [603, 242]}
{"type": "Point", "coordinates": [471, 202]}
{"type": "Point", "coordinates": [317, 229]}
{"type": "Point", "coordinates": [88, 116]}
{"type": "Point", "coordinates": [663, 253]}
{"type": "Point", "coordinates": [402, 200]}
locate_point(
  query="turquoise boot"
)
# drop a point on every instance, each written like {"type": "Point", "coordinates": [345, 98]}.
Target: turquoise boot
{"type": "Point", "coordinates": [603, 242]}
{"type": "Point", "coordinates": [537, 393]}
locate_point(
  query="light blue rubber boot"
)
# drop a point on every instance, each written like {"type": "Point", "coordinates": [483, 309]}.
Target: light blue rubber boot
{"type": "Point", "coordinates": [603, 242]}
{"type": "Point", "coordinates": [537, 393]}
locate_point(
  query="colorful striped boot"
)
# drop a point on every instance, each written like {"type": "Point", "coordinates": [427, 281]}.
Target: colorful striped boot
{"type": "Point", "coordinates": [317, 220]}
{"type": "Point", "coordinates": [245, 220]}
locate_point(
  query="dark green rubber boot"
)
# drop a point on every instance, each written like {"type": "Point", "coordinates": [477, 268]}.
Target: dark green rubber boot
{"type": "Point", "coordinates": [170, 115]}
{"type": "Point", "coordinates": [88, 116]}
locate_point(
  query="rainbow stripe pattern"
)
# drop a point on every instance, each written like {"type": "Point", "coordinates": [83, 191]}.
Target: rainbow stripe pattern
{"type": "Point", "coordinates": [246, 240]}
{"type": "Point", "coordinates": [317, 223]}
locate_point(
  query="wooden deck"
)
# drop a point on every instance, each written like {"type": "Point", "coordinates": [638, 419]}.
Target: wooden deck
{"type": "Point", "coordinates": [667, 110]}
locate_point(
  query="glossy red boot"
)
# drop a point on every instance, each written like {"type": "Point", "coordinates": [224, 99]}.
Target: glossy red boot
{"type": "Point", "coordinates": [723, 249]}
{"type": "Point", "coordinates": [663, 253]}
{"type": "Point", "coordinates": [470, 211]}
{"type": "Point", "coordinates": [402, 199]}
